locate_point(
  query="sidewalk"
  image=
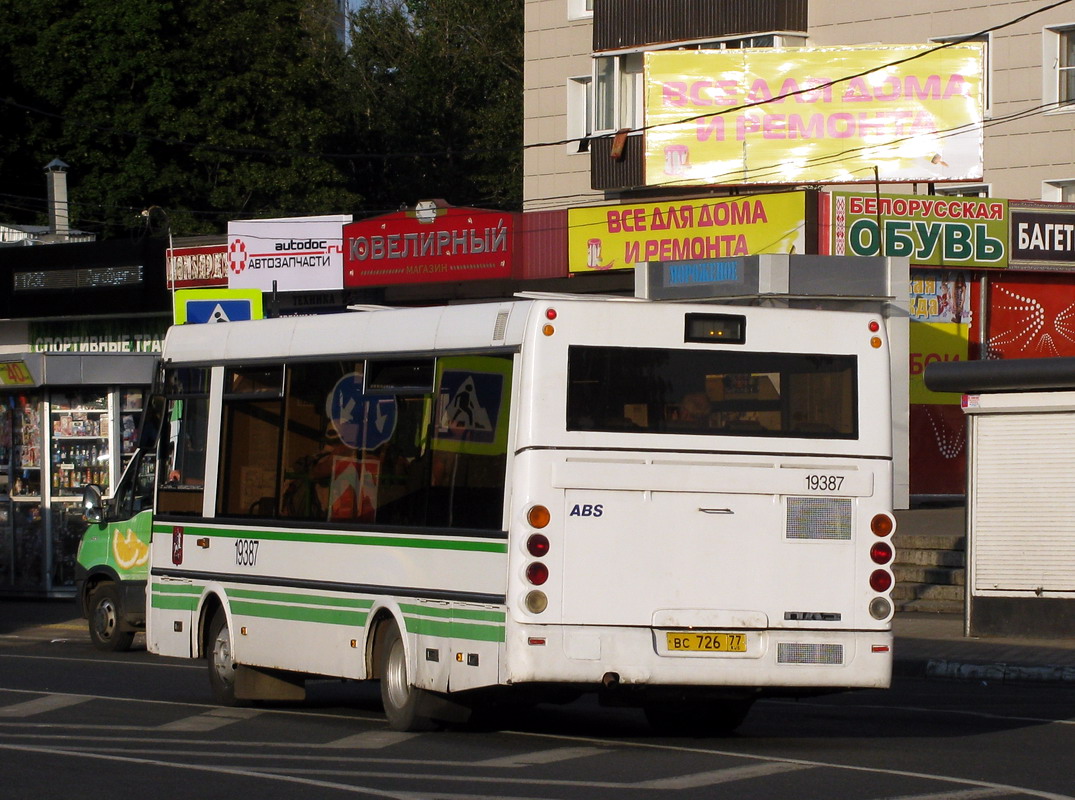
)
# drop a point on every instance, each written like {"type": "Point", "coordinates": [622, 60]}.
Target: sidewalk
{"type": "Point", "coordinates": [933, 646]}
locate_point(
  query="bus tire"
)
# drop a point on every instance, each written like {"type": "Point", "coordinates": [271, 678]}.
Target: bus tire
{"type": "Point", "coordinates": [221, 660]}
{"type": "Point", "coordinates": [106, 619]}
{"type": "Point", "coordinates": [400, 698]}
{"type": "Point", "coordinates": [698, 718]}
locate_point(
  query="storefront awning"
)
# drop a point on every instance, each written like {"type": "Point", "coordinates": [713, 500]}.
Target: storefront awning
{"type": "Point", "coordinates": [82, 369]}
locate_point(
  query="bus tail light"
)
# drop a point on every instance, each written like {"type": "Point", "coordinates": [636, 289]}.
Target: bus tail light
{"type": "Point", "coordinates": [880, 580]}
{"type": "Point", "coordinates": [881, 552]}
{"type": "Point", "coordinates": [538, 545]}
{"type": "Point", "coordinates": [538, 516]}
{"type": "Point", "coordinates": [880, 608]}
{"type": "Point", "coordinates": [537, 573]}
{"type": "Point", "coordinates": [536, 602]}
{"type": "Point", "coordinates": [882, 524]}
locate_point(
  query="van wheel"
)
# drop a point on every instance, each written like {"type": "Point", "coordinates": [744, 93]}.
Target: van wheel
{"type": "Point", "coordinates": [400, 698]}
{"type": "Point", "coordinates": [106, 618]}
{"type": "Point", "coordinates": [221, 661]}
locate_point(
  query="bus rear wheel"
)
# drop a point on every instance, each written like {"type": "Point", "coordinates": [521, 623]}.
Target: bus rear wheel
{"type": "Point", "coordinates": [221, 661]}
{"type": "Point", "coordinates": [401, 699]}
{"type": "Point", "coordinates": [106, 619]}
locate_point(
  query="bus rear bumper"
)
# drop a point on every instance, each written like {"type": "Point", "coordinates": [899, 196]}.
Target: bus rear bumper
{"type": "Point", "coordinates": [774, 658]}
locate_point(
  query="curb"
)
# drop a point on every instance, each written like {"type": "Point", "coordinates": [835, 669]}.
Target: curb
{"type": "Point", "coordinates": [1000, 673]}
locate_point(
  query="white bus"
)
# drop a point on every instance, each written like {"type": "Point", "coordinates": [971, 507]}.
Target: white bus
{"type": "Point", "coordinates": [679, 506]}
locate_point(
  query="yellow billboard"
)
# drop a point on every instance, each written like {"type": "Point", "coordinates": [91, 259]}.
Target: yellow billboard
{"type": "Point", "coordinates": [619, 237]}
{"type": "Point", "coordinates": [814, 115]}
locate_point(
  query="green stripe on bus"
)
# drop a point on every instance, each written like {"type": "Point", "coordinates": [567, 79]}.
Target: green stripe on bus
{"type": "Point", "coordinates": [328, 616]}
{"type": "Point", "coordinates": [455, 630]}
{"type": "Point", "coordinates": [174, 602]}
{"type": "Point", "coordinates": [177, 588]}
{"type": "Point", "coordinates": [305, 599]}
{"type": "Point", "coordinates": [468, 545]}
{"type": "Point", "coordinates": [454, 613]}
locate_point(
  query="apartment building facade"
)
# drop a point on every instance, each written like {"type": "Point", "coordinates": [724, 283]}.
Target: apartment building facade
{"type": "Point", "coordinates": [584, 131]}
{"type": "Point", "coordinates": [583, 79]}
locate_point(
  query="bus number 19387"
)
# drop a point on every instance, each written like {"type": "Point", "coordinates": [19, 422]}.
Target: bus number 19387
{"type": "Point", "coordinates": [246, 552]}
{"type": "Point", "coordinates": [824, 483]}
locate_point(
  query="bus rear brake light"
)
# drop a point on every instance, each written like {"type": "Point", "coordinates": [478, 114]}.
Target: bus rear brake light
{"type": "Point", "coordinates": [880, 580]}
{"type": "Point", "coordinates": [881, 552]}
{"type": "Point", "coordinates": [538, 545]}
{"type": "Point", "coordinates": [537, 573]}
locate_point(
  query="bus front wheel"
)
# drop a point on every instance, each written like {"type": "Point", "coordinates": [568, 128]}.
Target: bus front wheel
{"type": "Point", "coordinates": [221, 661]}
{"type": "Point", "coordinates": [400, 698]}
{"type": "Point", "coordinates": [106, 619]}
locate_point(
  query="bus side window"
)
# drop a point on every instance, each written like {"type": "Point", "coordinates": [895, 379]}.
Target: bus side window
{"type": "Point", "coordinates": [181, 471]}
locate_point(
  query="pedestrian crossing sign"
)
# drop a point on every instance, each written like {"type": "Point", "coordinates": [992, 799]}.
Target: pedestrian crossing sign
{"type": "Point", "coordinates": [217, 305]}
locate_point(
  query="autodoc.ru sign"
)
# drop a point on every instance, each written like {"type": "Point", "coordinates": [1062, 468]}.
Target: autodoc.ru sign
{"type": "Point", "coordinates": [430, 244]}
{"type": "Point", "coordinates": [297, 254]}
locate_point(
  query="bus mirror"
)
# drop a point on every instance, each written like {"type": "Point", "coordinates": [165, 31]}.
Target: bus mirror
{"type": "Point", "coordinates": [92, 503]}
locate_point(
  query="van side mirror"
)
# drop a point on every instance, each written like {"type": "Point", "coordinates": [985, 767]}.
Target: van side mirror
{"type": "Point", "coordinates": [92, 503]}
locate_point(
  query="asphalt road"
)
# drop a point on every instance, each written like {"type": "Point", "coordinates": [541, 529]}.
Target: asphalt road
{"type": "Point", "coordinates": [80, 723]}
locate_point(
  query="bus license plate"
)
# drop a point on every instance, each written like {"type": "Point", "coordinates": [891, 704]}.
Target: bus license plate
{"type": "Point", "coordinates": [706, 642]}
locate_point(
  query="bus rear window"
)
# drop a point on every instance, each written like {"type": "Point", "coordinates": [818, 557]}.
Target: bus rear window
{"type": "Point", "coordinates": [712, 392]}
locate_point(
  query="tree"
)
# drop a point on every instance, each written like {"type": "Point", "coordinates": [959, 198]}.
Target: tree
{"type": "Point", "coordinates": [210, 110]}
{"type": "Point", "coordinates": [438, 98]}
{"type": "Point", "coordinates": [218, 110]}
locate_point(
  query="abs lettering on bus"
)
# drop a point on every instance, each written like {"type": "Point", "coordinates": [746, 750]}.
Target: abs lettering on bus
{"type": "Point", "coordinates": [587, 510]}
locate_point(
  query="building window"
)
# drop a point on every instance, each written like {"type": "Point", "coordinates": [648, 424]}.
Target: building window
{"type": "Point", "coordinates": [1058, 71]}
{"type": "Point", "coordinates": [618, 87]}
{"type": "Point", "coordinates": [617, 92]}
{"type": "Point", "coordinates": [579, 9]}
{"type": "Point", "coordinates": [987, 67]}
{"type": "Point", "coordinates": [579, 113]}
{"type": "Point", "coordinates": [1058, 191]}
{"type": "Point", "coordinates": [965, 190]}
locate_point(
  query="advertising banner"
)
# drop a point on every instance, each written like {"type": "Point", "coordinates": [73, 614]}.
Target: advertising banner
{"type": "Point", "coordinates": [930, 230]}
{"type": "Point", "coordinates": [814, 115]}
{"type": "Point", "coordinates": [297, 254]}
{"type": "Point", "coordinates": [941, 315]}
{"type": "Point", "coordinates": [1043, 236]}
{"type": "Point", "coordinates": [619, 237]}
{"type": "Point", "coordinates": [429, 245]}
{"type": "Point", "coordinates": [192, 267]}
{"type": "Point", "coordinates": [98, 336]}
{"type": "Point", "coordinates": [940, 327]}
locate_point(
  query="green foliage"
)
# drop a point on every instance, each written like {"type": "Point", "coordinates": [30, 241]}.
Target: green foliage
{"type": "Point", "coordinates": [219, 110]}
{"type": "Point", "coordinates": [438, 92]}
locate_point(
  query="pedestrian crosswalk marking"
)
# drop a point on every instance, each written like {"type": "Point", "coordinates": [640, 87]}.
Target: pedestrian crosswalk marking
{"type": "Point", "coordinates": [210, 720]}
{"type": "Point", "coordinates": [40, 705]}
{"type": "Point", "coordinates": [713, 777]}
{"type": "Point", "coordinates": [552, 756]}
{"type": "Point", "coordinates": [372, 740]}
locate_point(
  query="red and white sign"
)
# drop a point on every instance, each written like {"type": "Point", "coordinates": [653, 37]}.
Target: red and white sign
{"type": "Point", "coordinates": [195, 267]}
{"type": "Point", "coordinates": [297, 254]}
{"type": "Point", "coordinates": [429, 245]}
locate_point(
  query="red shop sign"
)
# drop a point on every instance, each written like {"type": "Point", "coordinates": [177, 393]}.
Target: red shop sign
{"type": "Point", "coordinates": [431, 244]}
